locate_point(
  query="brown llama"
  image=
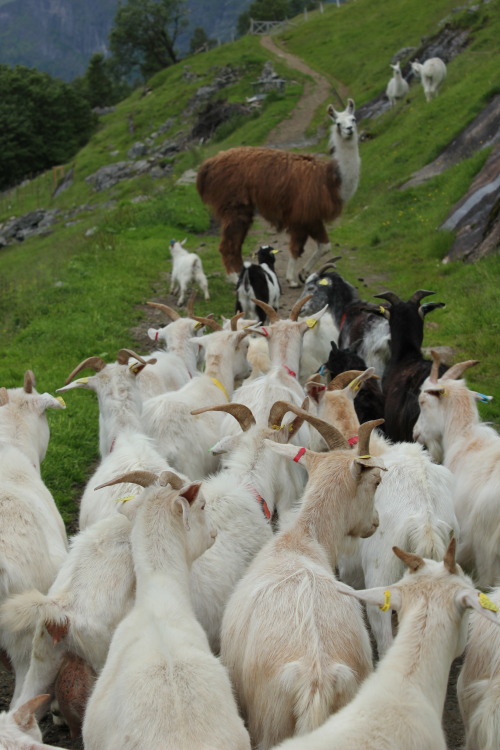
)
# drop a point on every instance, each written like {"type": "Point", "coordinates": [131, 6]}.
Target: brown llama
{"type": "Point", "coordinates": [293, 192]}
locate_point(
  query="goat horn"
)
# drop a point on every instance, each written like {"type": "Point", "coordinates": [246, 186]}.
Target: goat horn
{"type": "Point", "coordinates": [330, 264]}
{"type": "Point", "coordinates": [29, 381]}
{"type": "Point", "coordinates": [294, 312]}
{"type": "Point", "coordinates": [340, 381]}
{"type": "Point", "coordinates": [449, 556]}
{"type": "Point", "coordinates": [4, 396]}
{"type": "Point", "coordinates": [364, 432]}
{"type": "Point", "coordinates": [208, 322]}
{"type": "Point", "coordinates": [143, 478]}
{"type": "Point", "coordinates": [124, 354]}
{"type": "Point", "coordinates": [169, 477]}
{"type": "Point", "coordinates": [456, 371]}
{"type": "Point", "coordinates": [94, 363]}
{"type": "Point", "coordinates": [234, 321]}
{"type": "Point", "coordinates": [172, 314]}
{"type": "Point", "coordinates": [190, 304]}
{"type": "Point", "coordinates": [436, 362]}
{"type": "Point", "coordinates": [389, 296]}
{"type": "Point", "coordinates": [240, 412]}
{"type": "Point", "coordinates": [418, 295]}
{"type": "Point", "coordinates": [270, 311]}
{"type": "Point", "coordinates": [333, 438]}
{"type": "Point", "coordinates": [413, 562]}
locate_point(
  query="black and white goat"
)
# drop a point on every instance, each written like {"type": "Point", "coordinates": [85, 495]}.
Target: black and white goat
{"type": "Point", "coordinates": [258, 281]}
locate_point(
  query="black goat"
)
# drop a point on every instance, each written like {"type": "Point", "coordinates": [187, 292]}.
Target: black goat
{"type": "Point", "coordinates": [258, 282]}
{"type": "Point", "coordinates": [407, 368]}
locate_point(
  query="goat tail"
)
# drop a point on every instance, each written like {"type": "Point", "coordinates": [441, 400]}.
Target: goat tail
{"type": "Point", "coordinates": [483, 728]}
{"type": "Point", "coordinates": [317, 692]}
{"type": "Point", "coordinates": [22, 612]}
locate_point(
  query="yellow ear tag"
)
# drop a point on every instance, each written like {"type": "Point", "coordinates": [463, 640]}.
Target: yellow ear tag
{"type": "Point", "coordinates": [134, 366]}
{"type": "Point", "coordinates": [387, 601]}
{"type": "Point", "coordinates": [276, 427]}
{"type": "Point", "coordinates": [197, 326]}
{"type": "Point", "coordinates": [364, 456]}
{"type": "Point", "coordinates": [487, 603]}
{"type": "Point", "coordinates": [381, 309]}
{"type": "Point", "coordinates": [82, 380]}
{"type": "Point", "coordinates": [124, 499]}
{"type": "Point", "coordinates": [323, 282]}
{"type": "Point", "coordinates": [355, 386]}
{"type": "Point", "coordinates": [311, 322]}
{"type": "Point", "coordinates": [61, 400]}
{"type": "Point", "coordinates": [274, 252]}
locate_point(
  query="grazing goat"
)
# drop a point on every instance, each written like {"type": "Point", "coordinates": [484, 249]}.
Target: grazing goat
{"type": "Point", "coordinates": [478, 686]}
{"type": "Point", "coordinates": [400, 705]}
{"type": "Point", "coordinates": [432, 74]}
{"type": "Point", "coordinates": [407, 368]}
{"type": "Point", "coordinates": [296, 192]}
{"type": "Point", "coordinates": [449, 426]}
{"type": "Point", "coordinates": [316, 650]}
{"type": "Point", "coordinates": [397, 88]}
{"type": "Point", "coordinates": [33, 543]}
{"type": "Point", "coordinates": [186, 268]}
{"type": "Point", "coordinates": [161, 687]}
{"type": "Point", "coordinates": [19, 729]}
{"type": "Point", "coordinates": [259, 281]}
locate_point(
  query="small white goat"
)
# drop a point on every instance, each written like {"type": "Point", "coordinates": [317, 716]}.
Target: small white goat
{"type": "Point", "coordinates": [478, 685]}
{"type": "Point", "coordinates": [186, 268]}
{"type": "Point", "coordinates": [19, 729]}
{"type": "Point", "coordinates": [432, 73]}
{"type": "Point", "coordinates": [398, 87]}
{"type": "Point", "coordinates": [449, 426]}
{"type": "Point", "coordinates": [161, 686]}
{"type": "Point", "coordinates": [400, 706]}
{"type": "Point", "coordinates": [294, 651]}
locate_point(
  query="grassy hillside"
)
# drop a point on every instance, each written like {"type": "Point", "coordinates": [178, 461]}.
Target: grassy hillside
{"type": "Point", "coordinates": [80, 290]}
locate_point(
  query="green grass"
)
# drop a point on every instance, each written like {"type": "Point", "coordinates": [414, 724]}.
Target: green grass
{"type": "Point", "coordinates": [72, 294]}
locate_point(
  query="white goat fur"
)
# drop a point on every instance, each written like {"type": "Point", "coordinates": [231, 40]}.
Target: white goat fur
{"type": "Point", "coordinates": [186, 268]}
{"type": "Point", "coordinates": [397, 88]}
{"type": "Point", "coordinates": [450, 427]}
{"type": "Point", "coordinates": [432, 73]}
{"type": "Point", "coordinates": [478, 685]}
{"type": "Point", "coordinates": [316, 345]}
{"type": "Point", "coordinates": [400, 706]}
{"type": "Point", "coordinates": [161, 687]}
{"type": "Point", "coordinates": [295, 649]}
{"type": "Point", "coordinates": [19, 729]}
{"type": "Point", "coordinates": [33, 543]}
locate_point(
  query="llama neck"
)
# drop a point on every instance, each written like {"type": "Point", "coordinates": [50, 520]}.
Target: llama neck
{"type": "Point", "coordinates": [346, 155]}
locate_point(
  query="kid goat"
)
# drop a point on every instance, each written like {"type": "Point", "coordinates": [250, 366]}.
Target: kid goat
{"type": "Point", "coordinates": [259, 281]}
{"type": "Point", "coordinates": [186, 268]}
{"type": "Point", "coordinates": [302, 195]}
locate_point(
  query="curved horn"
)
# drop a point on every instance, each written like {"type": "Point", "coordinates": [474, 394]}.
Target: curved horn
{"type": "Point", "coordinates": [93, 363]}
{"type": "Point", "coordinates": [270, 311]}
{"type": "Point", "coordinates": [143, 478]}
{"type": "Point", "coordinates": [234, 321]}
{"type": "Point", "coordinates": [294, 312]}
{"type": "Point", "coordinates": [330, 264]}
{"type": "Point", "coordinates": [413, 562]}
{"type": "Point", "coordinates": [208, 322]}
{"type": "Point", "coordinates": [29, 381]}
{"type": "Point", "coordinates": [449, 556]}
{"type": "Point", "coordinates": [456, 371]}
{"type": "Point", "coordinates": [169, 477]}
{"type": "Point", "coordinates": [419, 294]}
{"type": "Point", "coordinates": [364, 432]}
{"type": "Point", "coordinates": [333, 438]}
{"type": "Point", "coordinates": [436, 362]}
{"type": "Point", "coordinates": [172, 314]}
{"type": "Point", "coordinates": [340, 381]}
{"type": "Point", "coordinates": [124, 354]}
{"type": "Point", "coordinates": [240, 412]}
{"type": "Point", "coordinates": [389, 296]}
{"type": "Point", "coordinates": [4, 396]}
{"type": "Point", "coordinates": [190, 304]}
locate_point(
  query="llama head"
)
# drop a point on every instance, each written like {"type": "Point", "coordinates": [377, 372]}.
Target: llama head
{"type": "Point", "coordinates": [345, 122]}
{"type": "Point", "coordinates": [396, 67]}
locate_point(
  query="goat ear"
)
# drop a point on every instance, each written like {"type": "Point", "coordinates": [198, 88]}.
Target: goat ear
{"type": "Point", "coordinates": [297, 454]}
{"type": "Point", "coordinates": [438, 391]}
{"type": "Point", "coordinates": [361, 464]}
{"type": "Point", "coordinates": [383, 598]}
{"type": "Point", "coordinates": [428, 307]}
{"type": "Point", "coordinates": [225, 445]}
{"type": "Point", "coordinates": [24, 716]}
{"type": "Point", "coordinates": [47, 401]}
{"type": "Point", "coordinates": [86, 382]}
{"type": "Point", "coordinates": [315, 390]}
{"type": "Point", "coordinates": [190, 492]}
{"type": "Point", "coordinates": [479, 602]}
{"type": "Point", "coordinates": [154, 333]}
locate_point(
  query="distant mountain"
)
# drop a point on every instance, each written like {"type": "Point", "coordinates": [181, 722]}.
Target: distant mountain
{"type": "Point", "coordinates": [60, 36]}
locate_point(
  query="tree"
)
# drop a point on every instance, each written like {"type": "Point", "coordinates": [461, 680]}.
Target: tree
{"type": "Point", "coordinates": [200, 40]}
{"type": "Point", "coordinates": [144, 35]}
{"type": "Point", "coordinates": [99, 83]}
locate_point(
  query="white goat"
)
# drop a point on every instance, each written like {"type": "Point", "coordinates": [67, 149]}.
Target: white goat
{"type": "Point", "coordinates": [478, 685]}
{"type": "Point", "coordinates": [184, 441]}
{"type": "Point", "coordinates": [186, 268]}
{"type": "Point", "coordinates": [432, 73]}
{"type": "Point", "coordinates": [449, 426]}
{"type": "Point", "coordinates": [19, 729]}
{"type": "Point", "coordinates": [400, 706]}
{"type": "Point", "coordinates": [398, 87]}
{"type": "Point", "coordinates": [123, 443]}
{"type": "Point", "coordinates": [294, 651]}
{"type": "Point", "coordinates": [33, 543]}
{"type": "Point", "coordinates": [161, 687]}
{"type": "Point", "coordinates": [414, 501]}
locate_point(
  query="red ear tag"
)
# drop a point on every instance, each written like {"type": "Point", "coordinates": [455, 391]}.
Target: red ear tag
{"type": "Point", "coordinates": [353, 440]}
{"type": "Point", "coordinates": [265, 331]}
{"type": "Point", "coordinates": [156, 335]}
{"type": "Point", "coordinates": [290, 372]}
{"type": "Point", "coordinates": [299, 455]}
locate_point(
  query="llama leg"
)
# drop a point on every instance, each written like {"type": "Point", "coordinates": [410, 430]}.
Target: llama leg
{"type": "Point", "coordinates": [318, 233]}
{"type": "Point", "coordinates": [298, 238]}
{"type": "Point", "coordinates": [234, 230]}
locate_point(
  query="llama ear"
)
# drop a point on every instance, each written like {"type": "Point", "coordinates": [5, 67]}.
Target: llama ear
{"type": "Point", "coordinates": [350, 106]}
{"type": "Point", "coordinates": [331, 112]}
